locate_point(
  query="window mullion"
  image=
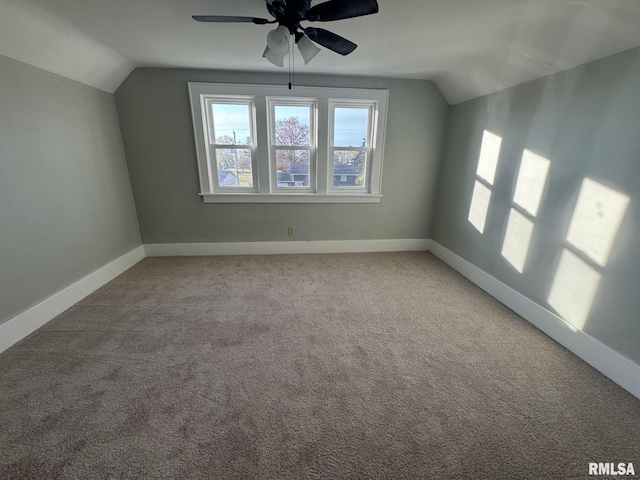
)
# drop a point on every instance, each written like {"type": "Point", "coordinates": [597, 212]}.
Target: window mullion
{"type": "Point", "coordinates": [262, 146]}
{"type": "Point", "coordinates": [322, 147]}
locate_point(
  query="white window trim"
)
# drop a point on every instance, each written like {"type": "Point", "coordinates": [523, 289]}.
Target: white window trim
{"type": "Point", "coordinates": [272, 102]}
{"type": "Point", "coordinates": [211, 167]}
{"type": "Point", "coordinates": [369, 147]}
{"type": "Point", "coordinates": [265, 190]}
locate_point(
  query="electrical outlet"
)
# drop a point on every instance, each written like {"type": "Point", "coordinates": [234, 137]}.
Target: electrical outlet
{"type": "Point", "coordinates": [291, 231]}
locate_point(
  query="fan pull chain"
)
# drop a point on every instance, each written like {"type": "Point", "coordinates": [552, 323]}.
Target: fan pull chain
{"type": "Point", "coordinates": [290, 61]}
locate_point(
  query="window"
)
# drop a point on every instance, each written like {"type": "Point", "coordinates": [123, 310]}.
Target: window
{"type": "Point", "coordinates": [231, 144]}
{"type": "Point", "coordinates": [258, 143]}
{"type": "Point", "coordinates": [292, 141]}
{"type": "Point", "coordinates": [350, 145]}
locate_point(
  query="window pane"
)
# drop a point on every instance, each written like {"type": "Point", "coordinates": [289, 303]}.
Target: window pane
{"type": "Point", "coordinates": [349, 168]}
{"type": "Point", "coordinates": [234, 167]}
{"type": "Point", "coordinates": [293, 168]}
{"type": "Point", "coordinates": [231, 124]}
{"type": "Point", "coordinates": [293, 126]}
{"type": "Point", "coordinates": [350, 127]}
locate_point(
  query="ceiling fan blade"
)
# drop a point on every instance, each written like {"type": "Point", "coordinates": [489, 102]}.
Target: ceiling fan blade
{"type": "Point", "coordinates": [341, 9]}
{"type": "Point", "coordinates": [230, 19]}
{"type": "Point", "coordinates": [330, 40]}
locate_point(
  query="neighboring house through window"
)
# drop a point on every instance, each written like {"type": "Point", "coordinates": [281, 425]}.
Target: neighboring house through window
{"type": "Point", "coordinates": [227, 179]}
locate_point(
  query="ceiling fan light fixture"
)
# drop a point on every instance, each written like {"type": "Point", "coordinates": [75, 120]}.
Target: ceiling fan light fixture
{"type": "Point", "coordinates": [307, 48]}
{"type": "Point", "coordinates": [278, 40]}
{"type": "Point", "coordinates": [277, 60]}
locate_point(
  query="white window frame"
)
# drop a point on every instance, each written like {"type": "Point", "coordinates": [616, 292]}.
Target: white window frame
{"type": "Point", "coordinates": [368, 148]}
{"type": "Point", "coordinates": [310, 103]}
{"type": "Point", "coordinates": [209, 170]}
{"type": "Point", "coordinates": [265, 188]}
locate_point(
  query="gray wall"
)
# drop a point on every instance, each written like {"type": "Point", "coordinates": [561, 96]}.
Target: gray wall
{"type": "Point", "coordinates": [155, 119]}
{"type": "Point", "coordinates": [66, 206]}
{"type": "Point", "coordinates": [587, 122]}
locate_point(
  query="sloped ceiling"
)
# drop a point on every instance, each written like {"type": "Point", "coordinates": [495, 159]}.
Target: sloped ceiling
{"type": "Point", "coordinates": [468, 48]}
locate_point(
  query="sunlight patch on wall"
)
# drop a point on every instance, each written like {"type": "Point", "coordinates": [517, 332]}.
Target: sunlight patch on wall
{"type": "Point", "coordinates": [573, 290]}
{"type": "Point", "coordinates": [517, 239]}
{"type": "Point", "coordinates": [489, 153]}
{"type": "Point", "coordinates": [486, 172]}
{"type": "Point", "coordinates": [596, 220]}
{"type": "Point", "coordinates": [527, 196]}
{"type": "Point", "coordinates": [594, 226]}
{"type": "Point", "coordinates": [479, 206]}
{"type": "Point", "coordinates": [531, 181]}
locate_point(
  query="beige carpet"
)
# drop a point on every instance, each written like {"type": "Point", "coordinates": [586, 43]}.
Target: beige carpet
{"type": "Point", "coordinates": [309, 366]}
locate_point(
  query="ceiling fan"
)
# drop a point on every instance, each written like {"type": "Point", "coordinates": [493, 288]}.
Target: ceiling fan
{"type": "Point", "coordinates": [289, 13]}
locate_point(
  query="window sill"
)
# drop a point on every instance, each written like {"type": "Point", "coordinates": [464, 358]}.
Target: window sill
{"type": "Point", "coordinates": [289, 198]}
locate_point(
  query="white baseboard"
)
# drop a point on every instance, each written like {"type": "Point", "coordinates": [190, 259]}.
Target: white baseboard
{"type": "Point", "coordinates": [22, 325]}
{"type": "Point", "coordinates": [617, 367]}
{"type": "Point", "coordinates": [267, 248]}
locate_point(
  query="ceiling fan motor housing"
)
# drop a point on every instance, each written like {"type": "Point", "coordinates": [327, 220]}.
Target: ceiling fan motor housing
{"type": "Point", "coordinates": [289, 14]}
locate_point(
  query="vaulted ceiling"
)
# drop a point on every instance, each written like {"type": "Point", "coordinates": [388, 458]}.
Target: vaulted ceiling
{"type": "Point", "coordinates": [467, 47]}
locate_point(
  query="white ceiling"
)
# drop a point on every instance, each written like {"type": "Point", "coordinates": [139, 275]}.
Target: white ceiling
{"type": "Point", "coordinates": [467, 47]}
